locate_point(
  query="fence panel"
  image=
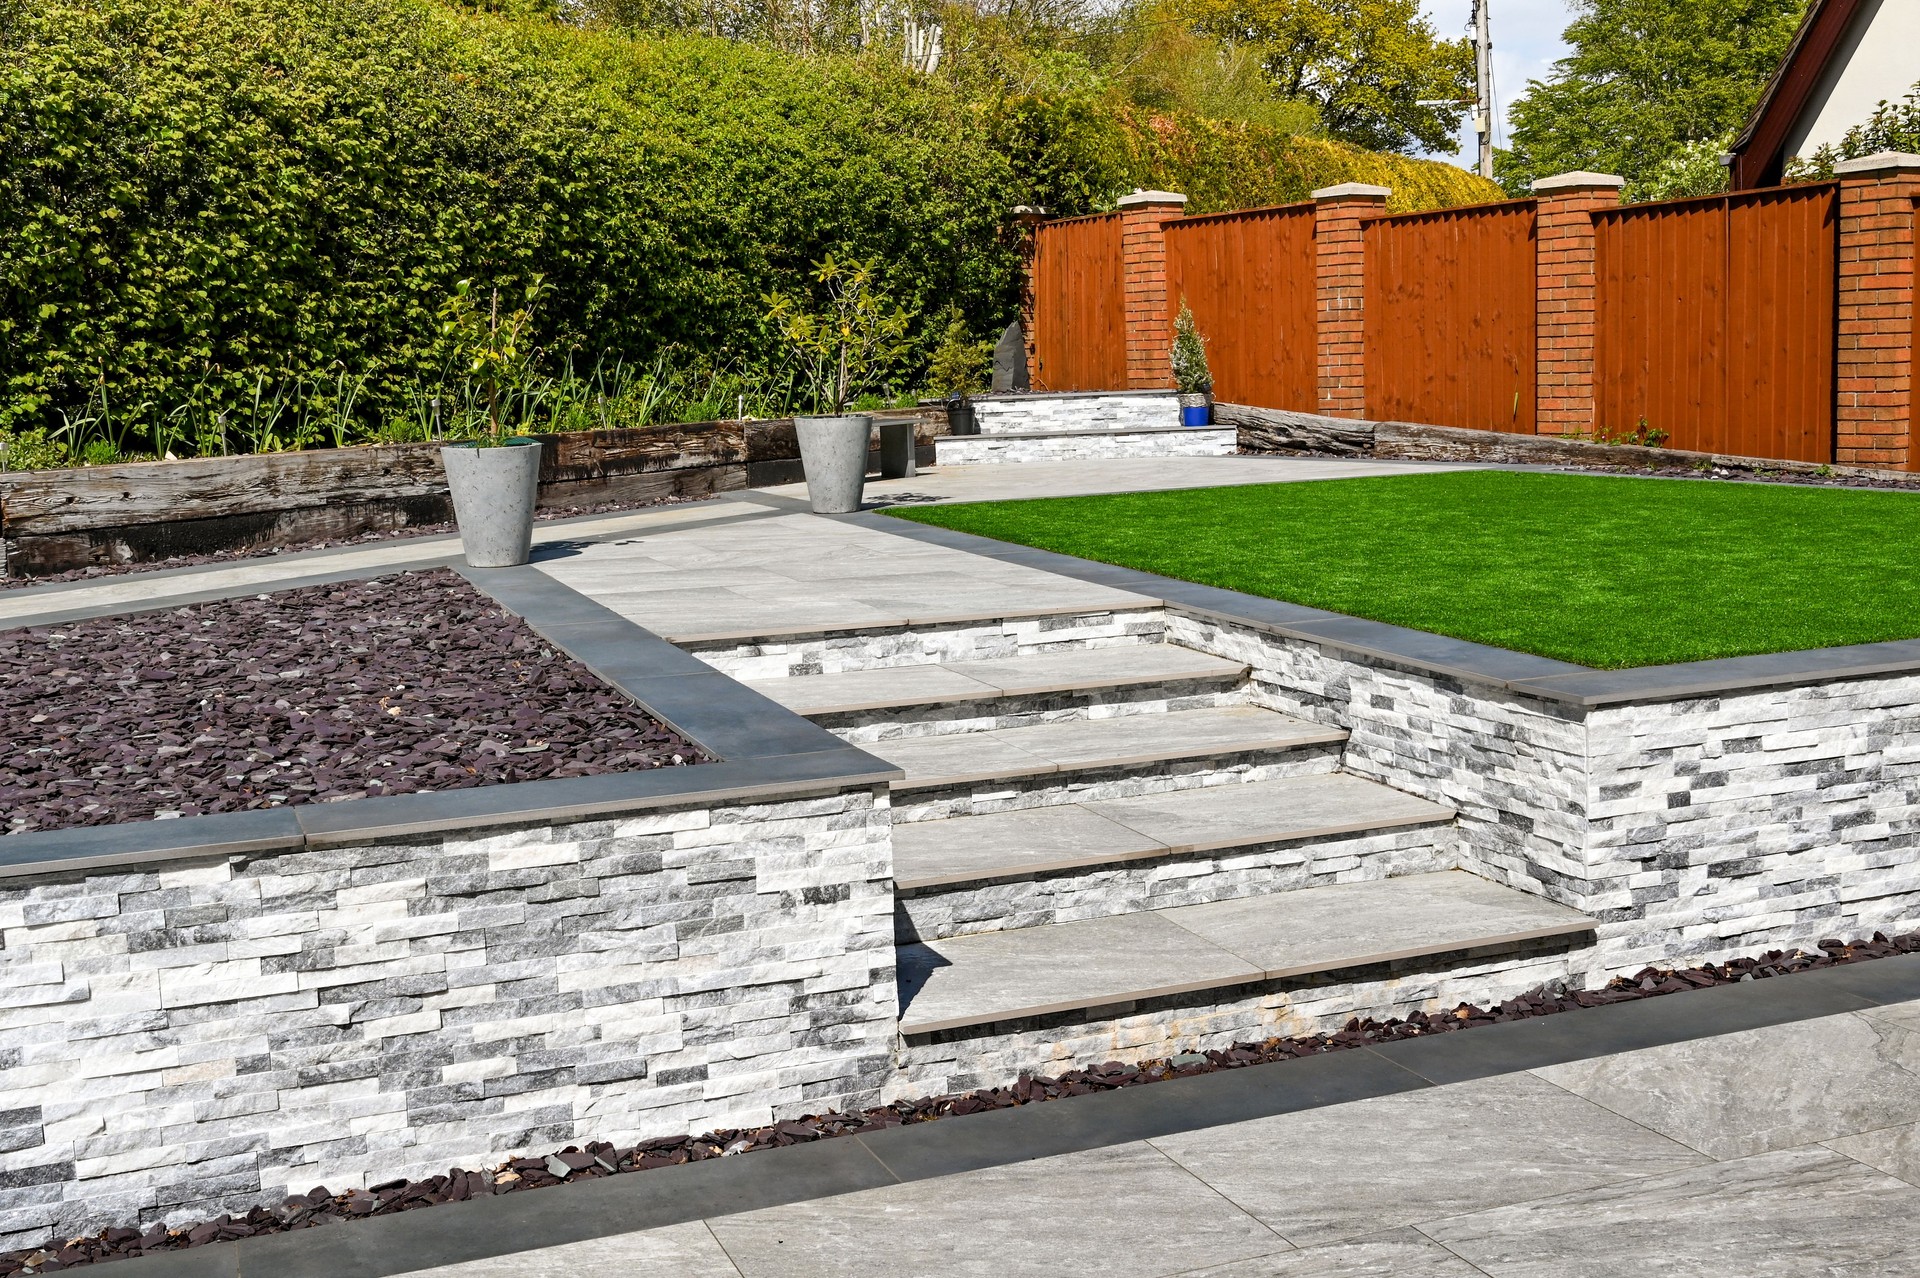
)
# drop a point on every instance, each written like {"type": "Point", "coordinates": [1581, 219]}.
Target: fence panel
{"type": "Point", "coordinates": [1248, 277]}
{"type": "Point", "coordinates": [1715, 322]}
{"type": "Point", "coordinates": [1079, 305]}
{"type": "Point", "coordinates": [1450, 318]}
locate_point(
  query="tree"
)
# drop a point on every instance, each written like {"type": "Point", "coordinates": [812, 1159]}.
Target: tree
{"type": "Point", "coordinates": [1365, 65]}
{"type": "Point", "coordinates": [1646, 79]}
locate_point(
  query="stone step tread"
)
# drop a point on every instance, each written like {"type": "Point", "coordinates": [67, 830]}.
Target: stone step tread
{"type": "Point", "coordinates": [1001, 845]}
{"type": "Point", "coordinates": [988, 431]}
{"type": "Point", "coordinates": [1076, 745]}
{"type": "Point", "coordinates": [943, 683]}
{"type": "Point", "coordinates": [993, 977]}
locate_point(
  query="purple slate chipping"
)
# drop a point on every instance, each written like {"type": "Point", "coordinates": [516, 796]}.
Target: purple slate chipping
{"type": "Point", "coordinates": [393, 685]}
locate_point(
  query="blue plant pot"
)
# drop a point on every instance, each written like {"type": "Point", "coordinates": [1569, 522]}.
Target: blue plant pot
{"type": "Point", "coordinates": [1196, 415]}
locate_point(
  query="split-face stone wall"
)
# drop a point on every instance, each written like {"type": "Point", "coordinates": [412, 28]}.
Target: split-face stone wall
{"type": "Point", "coordinates": [1690, 829]}
{"type": "Point", "coordinates": [981, 450]}
{"type": "Point", "coordinates": [1119, 411]}
{"type": "Point", "coordinates": [212, 1034]}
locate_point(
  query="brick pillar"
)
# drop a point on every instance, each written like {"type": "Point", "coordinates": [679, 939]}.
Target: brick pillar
{"type": "Point", "coordinates": [1340, 217]}
{"type": "Point", "coordinates": [1873, 401]}
{"type": "Point", "coordinates": [1143, 241]}
{"type": "Point", "coordinates": [1563, 297]}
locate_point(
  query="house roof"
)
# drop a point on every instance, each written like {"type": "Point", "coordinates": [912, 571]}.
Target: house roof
{"type": "Point", "coordinates": [1759, 152]}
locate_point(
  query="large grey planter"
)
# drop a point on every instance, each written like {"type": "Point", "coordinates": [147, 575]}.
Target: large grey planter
{"type": "Point", "coordinates": [833, 453]}
{"type": "Point", "coordinates": [494, 490]}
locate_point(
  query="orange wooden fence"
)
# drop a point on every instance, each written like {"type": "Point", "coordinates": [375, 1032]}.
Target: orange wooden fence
{"type": "Point", "coordinates": [1249, 277]}
{"type": "Point", "coordinates": [1079, 312]}
{"type": "Point", "coordinates": [1715, 322]}
{"type": "Point", "coordinates": [1450, 318]}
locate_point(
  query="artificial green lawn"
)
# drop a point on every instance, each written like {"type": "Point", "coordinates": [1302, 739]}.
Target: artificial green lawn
{"type": "Point", "coordinates": [1608, 572]}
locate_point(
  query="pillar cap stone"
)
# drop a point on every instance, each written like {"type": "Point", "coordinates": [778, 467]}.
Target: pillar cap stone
{"type": "Point", "coordinates": [1138, 198]}
{"type": "Point", "coordinates": [1882, 162]}
{"type": "Point", "coordinates": [1353, 191]}
{"type": "Point", "coordinates": [1579, 180]}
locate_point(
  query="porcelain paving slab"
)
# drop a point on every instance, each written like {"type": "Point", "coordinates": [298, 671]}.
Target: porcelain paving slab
{"type": "Point", "coordinates": [1349, 924]}
{"type": "Point", "coordinates": [1400, 1253]}
{"type": "Point", "coordinates": [1029, 841]}
{"type": "Point", "coordinates": [884, 688]}
{"type": "Point", "coordinates": [1269, 811]}
{"type": "Point", "coordinates": [958, 759]}
{"type": "Point", "coordinates": [1123, 1210]}
{"type": "Point", "coordinates": [1778, 1215]}
{"type": "Point", "coordinates": [1764, 1089]}
{"type": "Point", "coordinates": [1100, 668]}
{"type": "Point", "coordinates": [1893, 1150]}
{"type": "Point", "coordinates": [685, 1251]}
{"type": "Point", "coordinates": [1350, 1171]}
{"type": "Point", "coordinates": [975, 980]}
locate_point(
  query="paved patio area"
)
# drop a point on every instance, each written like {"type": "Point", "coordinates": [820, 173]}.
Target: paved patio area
{"type": "Point", "coordinates": [1791, 1149]}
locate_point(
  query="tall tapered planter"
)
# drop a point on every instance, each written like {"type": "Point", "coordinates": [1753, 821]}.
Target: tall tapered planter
{"type": "Point", "coordinates": [494, 491]}
{"type": "Point", "coordinates": [833, 453]}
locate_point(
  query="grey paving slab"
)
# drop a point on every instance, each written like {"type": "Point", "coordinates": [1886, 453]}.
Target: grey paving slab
{"type": "Point", "coordinates": [975, 980]}
{"type": "Point", "coordinates": [1121, 1210]}
{"type": "Point", "coordinates": [1893, 1150]}
{"type": "Point", "coordinates": [1757, 1090]}
{"type": "Point", "coordinates": [1398, 1253]}
{"type": "Point", "coordinates": [1099, 668]}
{"type": "Point", "coordinates": [1351, 1171]}
{"type": "Point", "coordinates": [1788, 1213]}
{"type": "Point", "coordinates": [959, 758]}
{"type": "Point", "coordinates": [1348, 924]}
{"type": "Point", "coordinates": [886, 688]}
{"type": "Point", "coordinates": [1269, 811]}
{"type": "Point", "coordinates": [1003, 844]}
{"type": "Point", "coordinates": [686, 1251]}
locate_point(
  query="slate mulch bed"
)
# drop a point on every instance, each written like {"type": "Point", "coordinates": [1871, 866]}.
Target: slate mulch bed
{"type": "Point", "coordinates": [544, 514]}
{"type": "Point", "coordinates": [596, 1159]}
{"type": "Point", "coordinates": [414, 681]}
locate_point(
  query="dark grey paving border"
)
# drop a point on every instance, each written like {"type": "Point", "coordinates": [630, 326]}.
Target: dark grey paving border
{"type": "Point", "coordinates": [621, 1204]}
{"type": "Point", "coordinates": [1519, 672]}
{"type": "Point", "coordinates": [763, 749]}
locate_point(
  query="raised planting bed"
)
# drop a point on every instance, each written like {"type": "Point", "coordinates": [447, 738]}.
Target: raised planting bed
{"type": "Point", "coordinates": [1605, 572]}
{"type": "Point", "coordinates": [397, 684]}
{"type": "Point", "coordinates": [595, 1160]}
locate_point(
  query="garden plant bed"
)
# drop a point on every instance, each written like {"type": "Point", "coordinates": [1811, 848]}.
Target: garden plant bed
{"type": "Point", "coordinates": [1607, 572]}
{"type": "Point", "coordinates": [543, 514]}
{"type": "Point", "coordinates": [596, 1159]}
{"type": "Point", "coordinates": [415, 681]}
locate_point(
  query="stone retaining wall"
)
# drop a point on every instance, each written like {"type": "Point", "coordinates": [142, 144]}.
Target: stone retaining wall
{"type": "Point", "coordinates": [212, 1034]}
{"type": "Point", "coordinates": [1093, 410]}
{"type": "Point", "coordinates": [1691, 829]}
{"type": "Point", "coordinates": [978, 450]}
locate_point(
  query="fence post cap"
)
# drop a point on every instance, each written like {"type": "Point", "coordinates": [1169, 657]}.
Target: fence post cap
{"type": "Point", "coordinates": [1579, 180]}
{"type": "Point", "coordinates": [1879, 163]}
{"type": "Point", "coordinates": [1353, 191]}
{"type": "Point", "coordinates": [1139, 198]}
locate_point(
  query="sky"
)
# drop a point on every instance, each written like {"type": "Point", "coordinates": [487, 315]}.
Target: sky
{"type": "Point", "coordinates": [1526, 41]}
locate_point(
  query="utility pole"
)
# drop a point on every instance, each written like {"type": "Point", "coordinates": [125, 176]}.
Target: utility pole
{"type": "Point", "coordinates": [1483, 85]}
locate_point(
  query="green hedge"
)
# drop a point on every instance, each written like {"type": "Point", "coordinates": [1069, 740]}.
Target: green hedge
{"type": "Point", "coordinates": [194, 193]}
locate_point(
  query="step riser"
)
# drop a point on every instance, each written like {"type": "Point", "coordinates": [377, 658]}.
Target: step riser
{"type": "Point", "coordinates": [1020, 711]}
{"type": "Point", "coordinates": [997, 1055]}
{"type": "Point", "coordinates": [775, 658]}
{"type": "Point", "coordinates": [982, 450]}
{"type": "Point", "coordinates": [937, 913]}
{"type": "Point", "coordinates": [1112, 783]}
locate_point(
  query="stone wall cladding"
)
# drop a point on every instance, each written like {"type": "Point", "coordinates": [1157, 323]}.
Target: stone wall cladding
{"type": "Point", "coordinates": [866, 726]}
{"type": "Point", "coordinates": [1025, 414]}
{"type": "Point", "coordinates": [1163, 882]}
{"type": "Point", "coordinates": [981, 450]}
{"type": "Point", "coordinates": [1090, 785]}
{"type": "Point", "coordinates": [992, 640]}
{"type": "Point", "coordinates": [209, 1035]}
{"type": "Point", "coordinates": [1732, 824]}
{"type": "Point", "coordinates": [961, 1060]}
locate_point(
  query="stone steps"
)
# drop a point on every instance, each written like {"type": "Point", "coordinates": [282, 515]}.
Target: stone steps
{"type": "Point", "coordinates": [1051, 865]}
{"type": "Point", "coordinates": [1071, 445]}
{"type": "Point", "coordinates": [994, 982]}
{"type": "Point", "coordinates": [954, 774]}
{"type": "Point", "coordinates": [973, 696]}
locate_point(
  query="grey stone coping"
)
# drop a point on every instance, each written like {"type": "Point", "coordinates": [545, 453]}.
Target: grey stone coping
{"type": "Point", "coordinates": [1523, 673]}
{"type": "Point", "coordinates": [497, 1227]}
{"type": "Point", "coordinates": [762, 750]}
{"type": "Point", "coordinates": [1013, 397]}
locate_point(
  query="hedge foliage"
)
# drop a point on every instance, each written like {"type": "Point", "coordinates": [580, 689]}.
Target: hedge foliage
{"type": "Point", "coordinates": [194, 193]}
